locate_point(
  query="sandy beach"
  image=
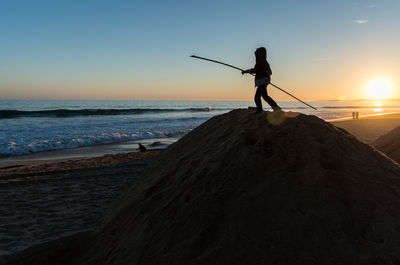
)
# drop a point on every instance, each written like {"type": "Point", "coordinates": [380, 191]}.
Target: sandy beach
{"type": "Point", "coordinates": [368, 129]}
{"type": "Point", "coordinates": [43, 200]}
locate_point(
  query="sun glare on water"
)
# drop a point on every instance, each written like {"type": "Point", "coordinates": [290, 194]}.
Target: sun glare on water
{"type": "Point", "coordinates": [379, 89]}
{"type": "Point", "coordinates": [378, 106]}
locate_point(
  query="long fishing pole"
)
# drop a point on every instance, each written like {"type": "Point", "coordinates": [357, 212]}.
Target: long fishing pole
{"type": "Point", "coordinates": [237, 68]}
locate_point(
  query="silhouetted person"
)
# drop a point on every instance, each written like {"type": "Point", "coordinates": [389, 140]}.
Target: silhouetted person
{"type": "Point", "coordinates": [357, 115]}
{"type": "Point", "coordinates": [354, 114]}
{"type": "Point", "coordinates": [142, 148]}
{"type": "Point", "coordinates": [263, 78]}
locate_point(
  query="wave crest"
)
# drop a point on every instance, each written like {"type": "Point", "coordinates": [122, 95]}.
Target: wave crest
{"type": "Point", "coordinates": [64, 113]}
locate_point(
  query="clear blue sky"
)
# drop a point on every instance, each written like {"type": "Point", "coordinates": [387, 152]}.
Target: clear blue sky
{"type": "Point", "coordinates": [140, 49]}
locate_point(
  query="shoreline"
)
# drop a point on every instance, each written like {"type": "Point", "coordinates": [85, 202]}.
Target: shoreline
{"type": "Point", "coordinates": [368, 128]}
{"type": "Point", "coordinates": [88, 151]}
{"type": "Point", "coordinates": [366, 116]}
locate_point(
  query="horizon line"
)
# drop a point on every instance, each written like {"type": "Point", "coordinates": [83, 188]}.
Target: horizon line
{"type": "Point", "coordinates": [148, 99]}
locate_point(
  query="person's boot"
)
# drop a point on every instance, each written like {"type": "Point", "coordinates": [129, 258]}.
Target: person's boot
{"type": "Point", "coordinates": [259, 110]}
{"type": "Point", "coordinates": [277, 108]}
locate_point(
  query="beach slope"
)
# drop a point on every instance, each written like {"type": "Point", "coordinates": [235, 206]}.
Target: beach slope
{"type": "Point", "coordinates": [389, 144]}
{"type": "Point", "coordinates": [370, 128]}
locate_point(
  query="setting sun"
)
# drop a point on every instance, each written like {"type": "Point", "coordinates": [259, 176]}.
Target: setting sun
{"type": "Point", "coordinates": [379, 88]}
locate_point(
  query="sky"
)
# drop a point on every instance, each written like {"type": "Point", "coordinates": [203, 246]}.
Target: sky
{"type": "Point", "coordinates": [317, 49]}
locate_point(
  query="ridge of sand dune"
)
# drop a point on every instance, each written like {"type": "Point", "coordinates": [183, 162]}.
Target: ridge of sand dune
{"type": "Point", "coordinates": [240, 190]}
{"type": "Point", "coordinates": [389, 144]}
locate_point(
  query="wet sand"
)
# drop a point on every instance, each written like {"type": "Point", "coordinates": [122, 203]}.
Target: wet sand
{"type": "Point", "coordinates": [368, 129]}
{"type": "Point", "coordinates": [45, 200]}
{"type": "Point", "coordinates": [90, 151]}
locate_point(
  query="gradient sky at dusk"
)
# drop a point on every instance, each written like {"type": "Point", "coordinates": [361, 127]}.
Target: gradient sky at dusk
{"type": "Point", "coordinates": [317, 49]}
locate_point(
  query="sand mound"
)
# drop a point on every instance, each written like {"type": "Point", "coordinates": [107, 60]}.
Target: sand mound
{"type": "Point", "coordinates": [389, 144]}
{"type": "Point", "coordinates": [257, 189]}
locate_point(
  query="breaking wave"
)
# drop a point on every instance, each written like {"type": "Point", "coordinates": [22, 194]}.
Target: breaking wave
{"type": "Point", "coordinates": [52, 142]}
{"type": "Point", "coordinates": [64, 113]}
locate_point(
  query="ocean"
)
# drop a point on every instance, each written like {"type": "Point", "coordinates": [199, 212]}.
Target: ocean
{"type": "Point", "coordinates": [38, 126]}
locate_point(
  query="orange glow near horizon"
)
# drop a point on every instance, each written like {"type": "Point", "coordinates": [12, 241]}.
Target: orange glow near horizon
{"type": "Point", "coordinates": [232, 87]}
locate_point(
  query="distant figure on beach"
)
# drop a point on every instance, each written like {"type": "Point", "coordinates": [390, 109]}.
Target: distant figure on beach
{"type": "Point", "coordinates": [263, 78]}
{"type": "Point", "coordinates": [142, 148]}
{"type": "Point", "coordinates": [357, 115]}
{"type": "Point", "coordinates": [354, 114]}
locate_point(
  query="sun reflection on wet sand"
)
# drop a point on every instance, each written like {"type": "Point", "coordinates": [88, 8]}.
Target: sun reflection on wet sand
{"type": "Point", "coordinates": [378, 105]}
